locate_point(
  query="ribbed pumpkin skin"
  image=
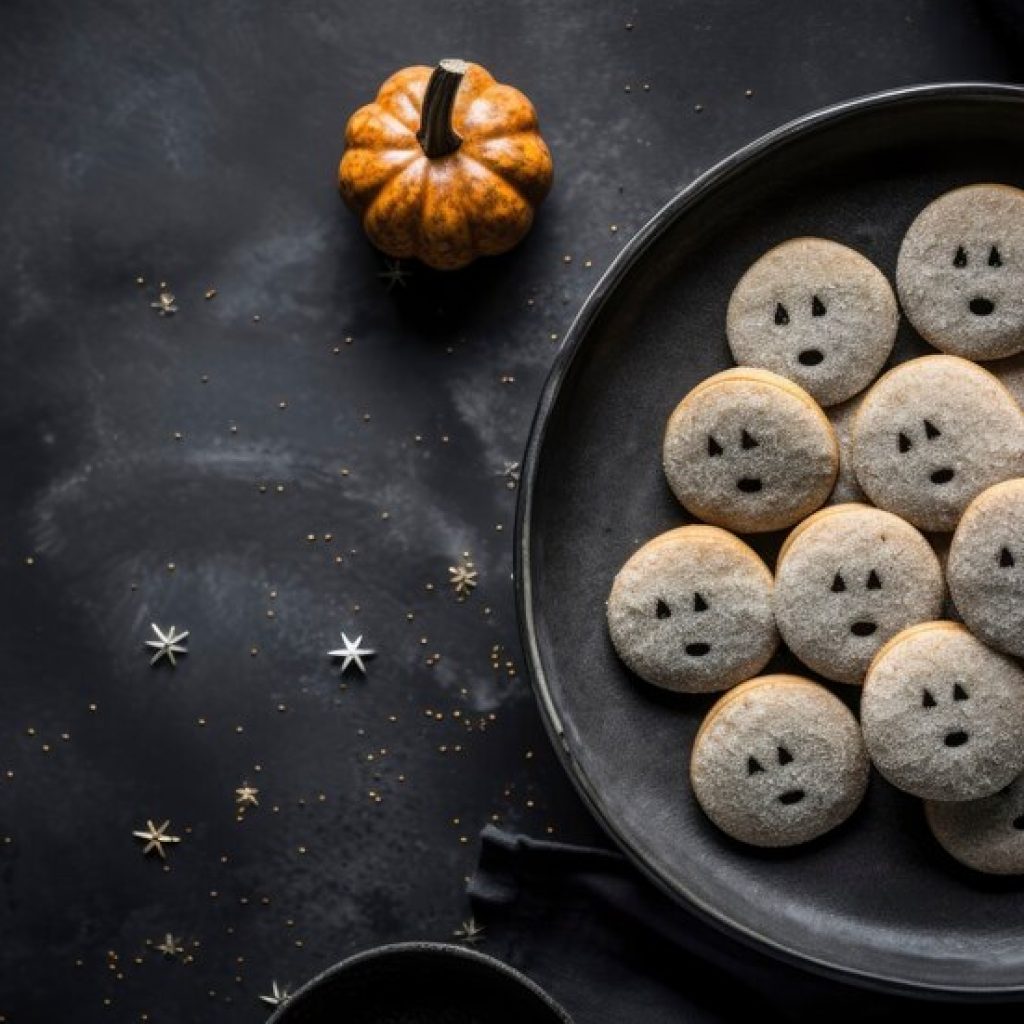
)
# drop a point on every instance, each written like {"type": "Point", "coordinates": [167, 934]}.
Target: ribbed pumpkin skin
{"type": "Point", "coordinates": [448, 210]}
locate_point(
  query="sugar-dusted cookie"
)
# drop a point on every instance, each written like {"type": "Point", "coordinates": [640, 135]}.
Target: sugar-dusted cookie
{"type": "Point", "coordinates": [849, 578]}
{"type": "Point", "coordinates": [692, 611]}
{"type": "Point", "coordinates": [943, 715]}
{"type": "Point", "coordinates": [1010, 373]}
{"type": "Point", "coordinates": [841, 417]}
{"type": "Point", "coordinates": [986, 566]}
{"type": "Point", "coordinates": [986, 834]}
{"type": "Point", "coordinates": [816, 312]}
{"type": "Point", "coordinates": [778, 761]}
{"type": "Point", "coordinates": [750, 451]}
{"type": "Point", "coordinates": [931, 435]}
{"type": "Point", "coordinates": [960, 272]}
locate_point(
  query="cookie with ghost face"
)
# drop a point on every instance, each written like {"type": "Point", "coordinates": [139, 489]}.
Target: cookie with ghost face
{"type": "Point", "coordinates": [943, 715]}
{"type": "Point", "coordinates": [816, 312]}
{"type": "Point", "coordinates": [848, 579]}
{"type": "Point", "coordinates": [778, 761]}
{"type": "Point", "coordinates": [986, 566]}
{"type": "Point", "coordinates": [931, 435]}
{"type": "Point", "coordinates": [691, 611]}
{"type": "Point", "coordinates": [841, 417]}
{"type": "Point", "coordinates": [750, 451]}
{"type": "Point", "coordinates": [960, 272]}
{"type": "Point", "coordinates": [987, 834]}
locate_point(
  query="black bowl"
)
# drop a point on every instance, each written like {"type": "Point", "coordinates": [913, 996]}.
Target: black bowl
{"type": "Point", "coordinates": [420, 983]}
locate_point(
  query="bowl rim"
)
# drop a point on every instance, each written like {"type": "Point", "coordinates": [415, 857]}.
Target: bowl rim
{"type": "Point", "coordinates": [400, 950]}
{"type": "Point", "coordinates": [592, 307]}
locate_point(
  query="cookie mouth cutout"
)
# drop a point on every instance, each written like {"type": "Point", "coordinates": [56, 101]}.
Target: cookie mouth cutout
{"type": "Point", "coordinates": [1018, 823]}
{"type": "Point", "coordinates": [956, 739]}
{"type": "Point", "coordinates": [863, 628]}
{"type": "Point", "coordinates": [791, 796]}
{"type": "Point", "coordinates": [698, 650]}
{"type": "Point", "coordinates": [810, 357]}
{"type": "Point", "coordinates": [749, 484]}
{"type": "Point", "coordinates": [942, 476]}
{"type": "Point", "coordinates": [981, 306]}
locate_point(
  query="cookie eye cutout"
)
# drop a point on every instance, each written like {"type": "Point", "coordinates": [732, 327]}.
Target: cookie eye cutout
{"type": "Point", "coordinates": [1006, 559]}
{"type": "Point", "coordinates": [1018, 823]}
{"type": "Point", "coordinates": [905, 443]}
{"type": "Point", "coordinates": [930, 430]}
{"type": "Point", "coordinates": [746, 441]}
{"type": "Point", "coordinates": [714, 448]}
{"type": "Point", "coordinates": [959, 693]}
{"type": "Point", "coordinates": [699, 604]}
{"type": "Point", "coordinates": [754, 766]}
{"type": "Point", "coordinates": [960, 259]}
{"type": "Point", "coordinates": [927, 701]}
{"type": "Point", "coordinates": [994, 259]}
{"type": "Point", "coordinates": [784, 756]}
{"type": "Point", "coordinates": [838, 584]}
{"type": "Point", "coordinates": [874, 583]}
{"type": "Point", "coordinates": [662, 611]}
{"type": "Point", "coordinates": [781, 315]}
{"type": "Point", "coordinates": [817, 306]}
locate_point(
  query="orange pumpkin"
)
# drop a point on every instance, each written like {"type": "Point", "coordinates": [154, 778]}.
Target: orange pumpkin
{"type": "Point", "coordinates": [445, 165]}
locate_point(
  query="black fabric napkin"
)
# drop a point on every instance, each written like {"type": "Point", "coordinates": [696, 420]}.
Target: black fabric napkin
{"type": "Point", "coordinates": [612, 949]}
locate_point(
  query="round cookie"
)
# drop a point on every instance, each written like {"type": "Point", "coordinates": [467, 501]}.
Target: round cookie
{"type": "Point", "coordinates": [960, 272]}
{"type": "Point", "coordinates": [750, 451]}
{"type": "Point", "coordinates": [943, 715]}
{"type": "Point", "coordinates": [692, 611]}
{"type": "Point", "coordinates": [987, 834]}
{"type": "Point", "coordinates": [841, 417]}
{"type": "Point", "coordinates": [778, 761]}
{"type": "Point", "coordinates": [986, 566]}
{"type": "Point", "coordinates": [816, 312]}
{"type": "Point", "coordinates": [931, 435]}
{"type": "Point", "coordinates": [1010, 373]}
{"type": "Point", "coordinates": [848, 579]}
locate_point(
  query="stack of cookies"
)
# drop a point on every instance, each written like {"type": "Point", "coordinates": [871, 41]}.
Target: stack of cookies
{"type": "Point", "coordinates": [933, 447]}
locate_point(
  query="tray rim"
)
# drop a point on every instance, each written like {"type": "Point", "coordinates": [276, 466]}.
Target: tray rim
{"type": "Point", "coordinates": [592, 307]}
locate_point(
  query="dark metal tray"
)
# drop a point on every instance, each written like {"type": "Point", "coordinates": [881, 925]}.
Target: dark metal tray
{"type": "Point", "coordinates": [877, 901]}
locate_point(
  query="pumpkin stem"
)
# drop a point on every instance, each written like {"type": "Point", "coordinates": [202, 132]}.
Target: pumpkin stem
{"type": "Point", "coordinates": [436, 135]}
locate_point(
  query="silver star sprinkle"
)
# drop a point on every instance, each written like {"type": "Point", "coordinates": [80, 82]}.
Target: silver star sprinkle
{"type": "Point", "coordinates": [168, 644]}
{"type": "Point", "coordinates": [463, 578]}
{"type": "Point", "coordinates": [511, 475]}
{"type": "Point", "coordinates": [246, 794]}
{"type": "Point", "coordinates": [155, 836]}
{"type": "Point", "coordinates": [170, 946]}
{"type": "Point", "coordinates": [394, 274]}
{"type": "Point", "coordinates": [352, 654]}
{"type": "Point", "coordinates": [165, 304]}
{"type": "Point", "coordinates": [469, 933]}
{"type": "Point", "coordinates": [278, 994]}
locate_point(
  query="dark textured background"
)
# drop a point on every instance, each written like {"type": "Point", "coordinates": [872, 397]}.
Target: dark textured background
{"type": "Point", "coordinates": [196, 144]}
